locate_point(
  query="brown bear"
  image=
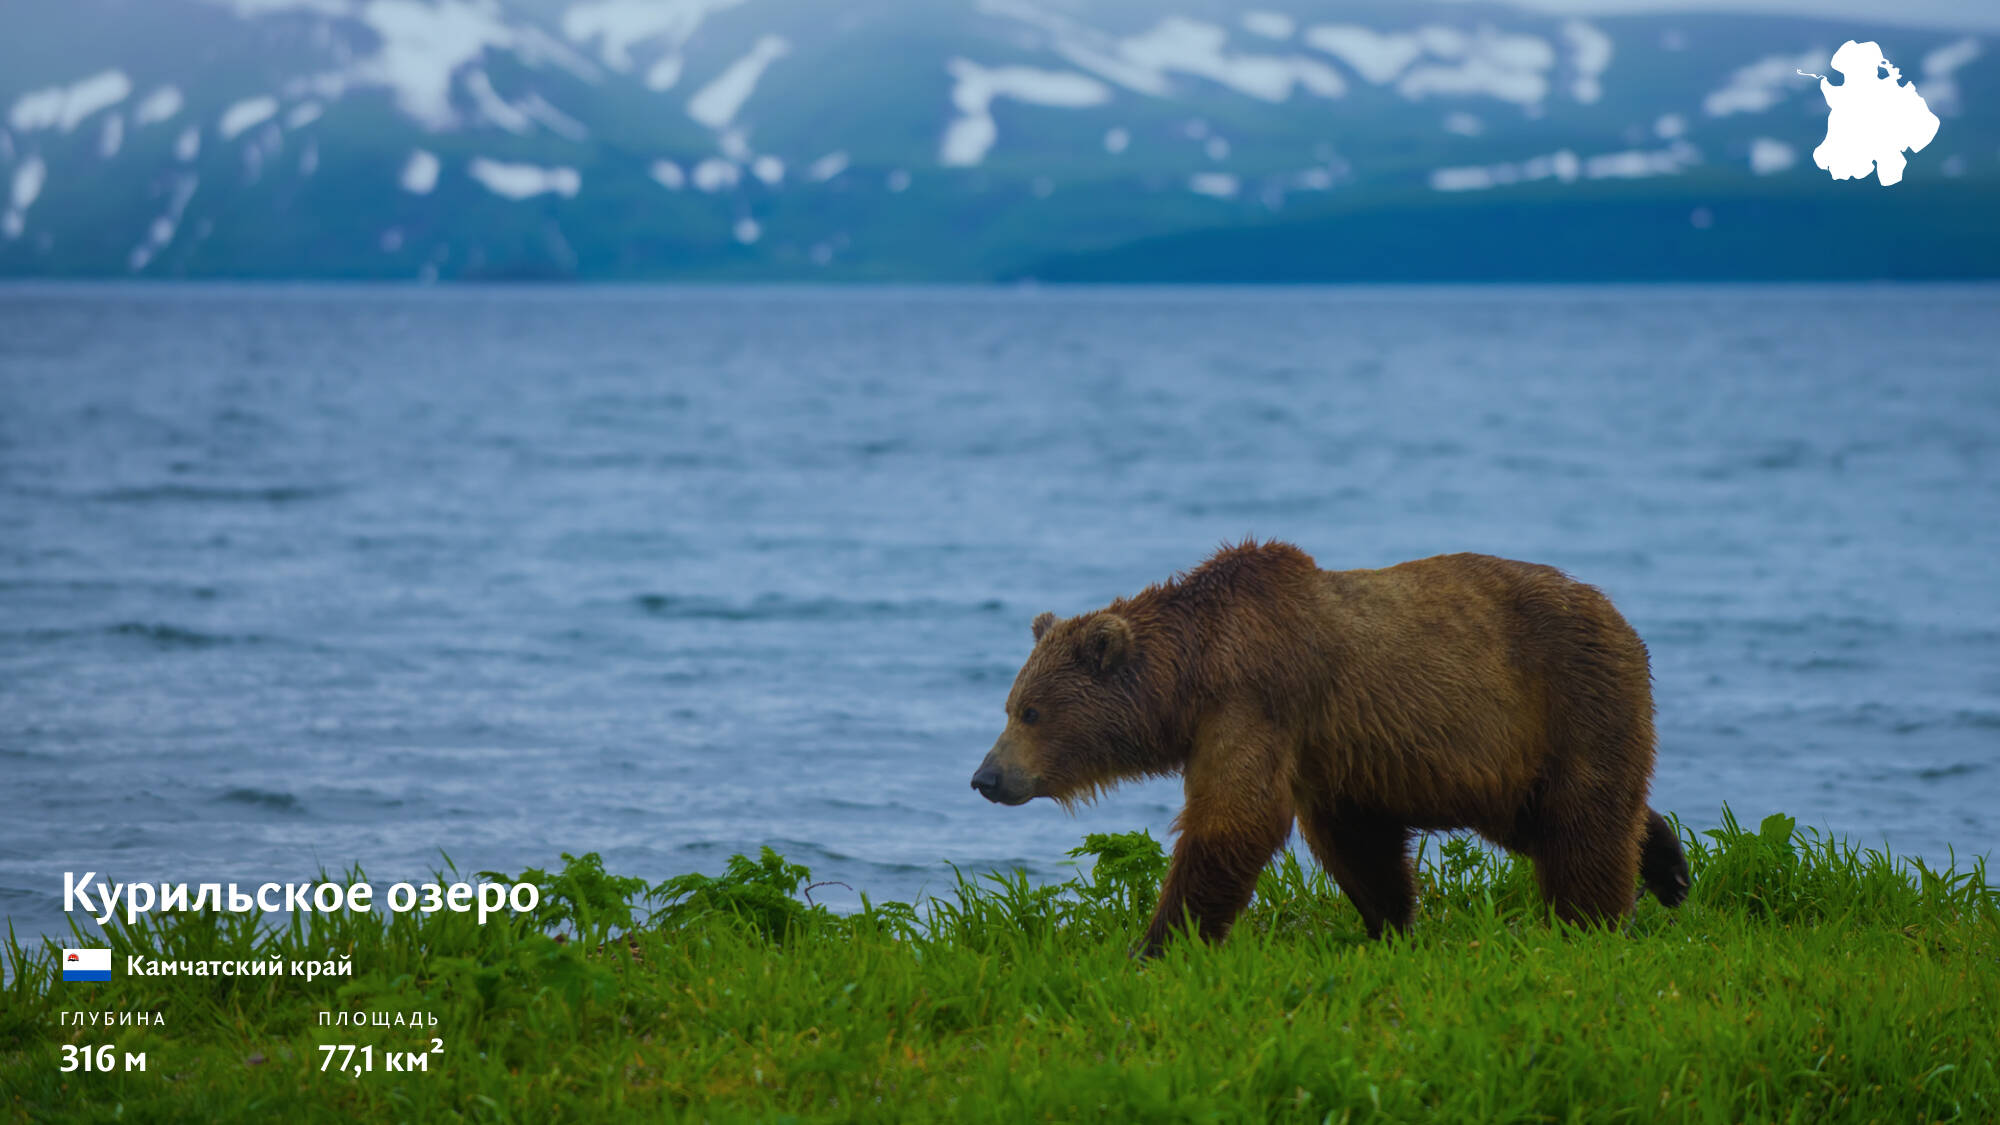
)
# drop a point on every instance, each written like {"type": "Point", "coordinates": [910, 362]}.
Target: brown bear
{"type": "Point", "coordinates": [1461, 691]}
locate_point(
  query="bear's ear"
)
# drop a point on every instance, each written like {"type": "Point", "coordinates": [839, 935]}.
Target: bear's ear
{"type": "Point", "coordinates": [1042, 623]}
{"type": "Point", "coordinates": [1107, 644]}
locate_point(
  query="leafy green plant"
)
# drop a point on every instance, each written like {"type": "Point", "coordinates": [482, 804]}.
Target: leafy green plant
{"type": "Point", "coordinates": [760, 892]}
{"type": "Point", "coordinates": [582, 898]}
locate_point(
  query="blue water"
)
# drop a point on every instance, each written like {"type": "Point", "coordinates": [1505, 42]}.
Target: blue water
{"type": "Point", "coordinates": [302, 577]}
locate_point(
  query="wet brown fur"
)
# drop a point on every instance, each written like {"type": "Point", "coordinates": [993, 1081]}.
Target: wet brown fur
{"type": "Point", "coordinates": [1461, 691]}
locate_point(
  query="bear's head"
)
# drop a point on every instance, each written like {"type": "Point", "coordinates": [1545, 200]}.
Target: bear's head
{"type": "Point", "coordinates": [1075, 719]}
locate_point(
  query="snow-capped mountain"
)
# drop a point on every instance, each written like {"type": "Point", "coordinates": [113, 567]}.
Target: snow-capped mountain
{"type": "Point", "coordinates": [955, 139]}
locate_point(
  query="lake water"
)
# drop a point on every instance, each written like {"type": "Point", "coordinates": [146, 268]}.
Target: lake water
{"type": "Point", "coordinates": [303, 577]}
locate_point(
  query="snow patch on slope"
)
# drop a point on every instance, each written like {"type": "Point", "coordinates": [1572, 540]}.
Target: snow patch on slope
{"type": "Point", "coordinates": [1436, 60]}
{"type": "Point", "coordinates": [553, 119]}
{"type": "Point", "coordinates": [1590, 54]}
{"type": "Point", "coordinates": [665, 74]}
{"type": "Point", "coordinates": [491, 107]}
{"type": "Point", "coordinates": [1186, 46]}
{"type": "Point", "coordinates": [27, 187]}
{"type": "Point", "coordinates": [65, 107]}
{"type": "Point", "coordinates": [423, 45]}
{"type": "Point", "coordinates": [524, 181]}
{"type": "Point", "coordinates": [1509, 67]}
{"type": "Point", "coordinates": [1175, 45]}
{"type": "Point", "coordinates": [521, 117]}
{"type": "Point", "coordinates": [616, 26]}
{"type": "Point", "coordinates": [1769, 156]}
{"type": "Point", "coordinates": [971, 135]}
{"type": "Point", "coordinates": [1221, 185]}
{"type": "Point", "coordinates": [1636, 164]}
{"type": "Point", "coordinates": [160, 105]}
{"type": "Point", "coordinates": [716, 104]}
{"type": "Point", "coordinates": [420, 172]}
{"type": "Point", "coordinates": [1376, 56]}
{"type": "Point", "coordinates": [160, 234]}
{"type": "Point", "coordinates": [1940, 87]}
{"type": "Point", "coordinates": [1270, 25]}
{"type": "Point", "coordinates": [1566, 167]}
{"type": "Point", "coordinates": [1563, 166]}
{"type": "Point", "coordinates": [715, 174]}
{"type": "Point", "coordinates": [1763, 84]}
{"type": "Point", "coordinates": [245, 115]}
{"type": "Point", "coordinates": [827, 167]}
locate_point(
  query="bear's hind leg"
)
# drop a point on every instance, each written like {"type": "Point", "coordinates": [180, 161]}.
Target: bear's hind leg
{"type": "Point", "coordinates": [1587, 873]}
{"type": "Point", "coordinates": [1368, 856]}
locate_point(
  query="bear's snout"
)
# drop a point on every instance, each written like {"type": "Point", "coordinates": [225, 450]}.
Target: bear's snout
{"type": "Point", "coordinates": [987, 781]}
{"type": "Point", "coordinates": [1000, 785]}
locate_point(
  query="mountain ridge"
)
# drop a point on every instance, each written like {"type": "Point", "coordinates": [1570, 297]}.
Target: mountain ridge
{"type": "Point", "coordinates": [887, 140]}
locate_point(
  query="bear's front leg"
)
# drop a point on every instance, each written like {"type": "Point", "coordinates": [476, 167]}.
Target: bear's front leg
{"type": "Point", "coordinates": [1213, 875]}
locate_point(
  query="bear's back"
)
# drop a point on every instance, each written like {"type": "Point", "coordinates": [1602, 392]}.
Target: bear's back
{"type": "Point", "coordinates": [1471, 616]}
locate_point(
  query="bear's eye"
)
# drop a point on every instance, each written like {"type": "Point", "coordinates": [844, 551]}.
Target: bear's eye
{"type": "Point", "coordinates": [1030, 715]}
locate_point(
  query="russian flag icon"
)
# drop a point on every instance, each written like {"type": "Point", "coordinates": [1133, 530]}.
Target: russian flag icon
{"type": "Point", "coordinates": [86, 964]}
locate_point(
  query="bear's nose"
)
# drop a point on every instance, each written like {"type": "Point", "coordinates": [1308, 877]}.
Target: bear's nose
{"type": "Point", "coordinates": [987, 781]}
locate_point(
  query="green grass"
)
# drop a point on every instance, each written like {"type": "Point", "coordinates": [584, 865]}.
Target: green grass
{"type": "Point", "coordinates": [1803, 981]}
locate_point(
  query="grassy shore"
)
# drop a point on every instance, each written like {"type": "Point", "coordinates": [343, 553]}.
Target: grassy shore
{"type": "Point", "coordinates": [1803, 981]}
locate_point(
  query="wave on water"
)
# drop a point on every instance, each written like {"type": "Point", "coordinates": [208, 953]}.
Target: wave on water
{"type": "Point", "coordinates": [905, 813]}
{"type": "Point", "coordinates": [1956, 769]}
{"type": "Point", "coordinates": [158, 634]}
{"type": "Point", "coordinates": [1840, 628]}
{"type": "Point", "coordinates": [1904, 718]}
{"type": "Point", "coordinates": [215, 494]}
{"type": "Point", "coordinates": [263, 799]}
{"type": "Point", "coordinates": [1293, 505]}
{"type": "Point", "coordinates": [814, 855]}
{"type": "Point", "coordinates": [174, 636]}
{"type": "Point", "coordinates": [106, 586]}
{"type": "Point", "coordinates": [781, 607]}
{"type": "Point", "coordinates": [822, 860]}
